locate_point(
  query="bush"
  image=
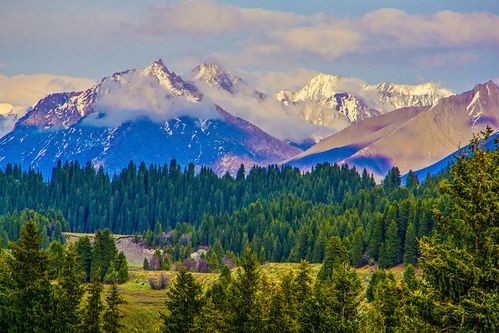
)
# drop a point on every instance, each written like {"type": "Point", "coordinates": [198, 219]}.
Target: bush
{"type": "Point", "coordinates": [160, 284]}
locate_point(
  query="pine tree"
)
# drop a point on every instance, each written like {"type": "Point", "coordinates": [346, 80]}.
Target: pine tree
{"type": "Point", "coordinates": [112, 314]}
{"type": "Point", "coordinates": [31, 293]}
{"type": "Point", "coordinates": [410, 280]}
{"type": "Point", "coordinates": [335, 255]}
{"type": "Point", "coordinates": [357, 251]}
{"type": "Point", "coordinates": [246, 313]}
{"type": "Point", "coordinates": [146, 264]}
{"type": "Point", "coordinates": [387, 302]}
{"type": "Point", "coordinates": [55, 252]}
{"type": "Point", "coordinates": [391, 245]}
{"type": "Point", "coordinates": [412, 180]}
{"type": "Point", "coordinates": [184, 303]}
{"type": "Point", "coordinates": [84, 250]}
{"type": "Point", "coordinates": [121, 268]}
{"type": "Point", "coordinates": [92, 319]}
{"type": "Point", "coordinates": [69, 293]}
{"type": "Point", "coordinates": [459, 268]}
{"type": "Point", "coordinates": [410, 245]}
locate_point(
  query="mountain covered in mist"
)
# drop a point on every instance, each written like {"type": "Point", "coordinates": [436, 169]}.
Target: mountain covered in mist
{"type": "Point", "coordinates": [150, 114]}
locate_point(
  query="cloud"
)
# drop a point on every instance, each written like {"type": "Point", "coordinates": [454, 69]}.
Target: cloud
{"type": "Point", "coordinates": [261, 37]}
{"type": "Point", "coordinates": [268, 114]}
{"type": "Point", "coordinates": [137, 96]}
{"type": "Point", "coordinates": [208, 17]}
{"type": "Point", "coordinates": [27, 90]}
{"type": "Point", "coordinates": [270, 82]}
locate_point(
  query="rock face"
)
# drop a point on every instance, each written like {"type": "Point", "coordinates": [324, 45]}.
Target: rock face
{"type": "Point", "coordinates": [410, 138]}
{"type": "Point", "coordinates": [330, 99]}
{"type": "Point", "coordinates": [149, 115]}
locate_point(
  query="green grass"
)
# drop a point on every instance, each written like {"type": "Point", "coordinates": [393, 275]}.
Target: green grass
{"type": "Point", "coordinates": [142, 311]}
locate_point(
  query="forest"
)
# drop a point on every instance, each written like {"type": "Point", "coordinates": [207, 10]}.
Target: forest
{"type": "Point", "coordinates": [445, 230]}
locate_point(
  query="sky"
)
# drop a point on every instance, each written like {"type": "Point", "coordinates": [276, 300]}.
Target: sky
{"type": "Point", "coordinates": [454, 43]}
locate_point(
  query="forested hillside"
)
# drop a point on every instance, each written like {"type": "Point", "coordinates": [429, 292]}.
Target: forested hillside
{"type": "Point", "coordinates": [281, 213]}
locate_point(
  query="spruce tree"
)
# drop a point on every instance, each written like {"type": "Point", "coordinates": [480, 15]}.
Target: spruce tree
{"type": "Point", "coordinates": [183, 303]}
{"type": "Point", "coordinates": [84, 250]}
{"type": "Point", "coordinates": [392, 245]}
{"type": "Point", "coordinates": [357, 251]}
{"type": "Point", "coordinates": [335, 255]}
{"type": "Point", "coordinates": [31, 293]}
{"type": "Point", "coordinates": [246, 313]}
{"type": "Point", "coordinates": [121, 268]}
{"type": "Point", "coordinates": [112, 315]}
{"type": "Point", "coordinates": [459, 268]}
{"type": "Point", "coordinates": [92, 318]}
{"type": "Point", "coordinates": [410, 281]}
{"type": "Point", "coordinates": [69, 293]}
{"type": "Point", "coordinates": [410, 245]}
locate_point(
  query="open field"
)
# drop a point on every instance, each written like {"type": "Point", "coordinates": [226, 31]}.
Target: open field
{"type": "Point", "coordinates": [142, 312]}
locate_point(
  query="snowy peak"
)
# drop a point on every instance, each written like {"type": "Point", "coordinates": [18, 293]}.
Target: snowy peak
{"type": "Point", "coordinates": [394, 96]}
{"type": "Point", "coordinates": [213, 75]}
{"type": "Point", "coordinates": [325, 95]}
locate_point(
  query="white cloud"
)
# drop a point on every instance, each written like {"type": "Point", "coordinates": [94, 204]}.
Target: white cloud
{"type": "Point", "coordinates": [27, 90]}
{"type": "Point", "coordinates": [263, 37]}
{"type": "Point", "coordinates": [137, 96]}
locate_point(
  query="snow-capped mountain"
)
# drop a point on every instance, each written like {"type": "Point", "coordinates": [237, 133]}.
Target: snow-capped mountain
{"type": "Point", "coordinates": [215, 76]}
{"type": "Point", "coordinates": [410, 138]}
{"type": "Point", "coordinates": [150, 114]}
{"type": "Point", "coordinates": [328, 99]}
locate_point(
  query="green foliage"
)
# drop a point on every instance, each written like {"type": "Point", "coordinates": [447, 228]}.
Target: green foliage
{"type": "Point", "coordinates": [410, 245]}
{"type": "Point", "coordinates": [410, 281]}
{"type": "Point", "coordinates": [121, 266]}
{"type": "Point", "coordinates": [459, 268]}
{"type": "Point", "coordinates": [112, 314]}
{"type": "Point", "coordinates": [92, 313]}
{"type": "Point", "coordinates": [392, 180]}
{"type": "Point", "coordinates": [104, 252]}
{"type": "Point", "coordinates": [246, 315]}
{"type": "Point", "coordinates": [30, 291]}
{"type": "Point", "coordinates": [336, 254]}
{"type": "Point", "coordinates": [183, 302]}
{"type": "Point", "coordinates": [69, 293]}
{"type": "Point", "coordinates": [84, 250]}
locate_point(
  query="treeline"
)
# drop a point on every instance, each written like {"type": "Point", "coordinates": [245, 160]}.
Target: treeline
{"type": "Point", "coordinates": [280, 213]}
{"type": "Point", "coordinates": [458, 290]}
{"type": "Point", "coordinates": [138, 197]}
{"type": "Point", "coordinates": [31, 302]}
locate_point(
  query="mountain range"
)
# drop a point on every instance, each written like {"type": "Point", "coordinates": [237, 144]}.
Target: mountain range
{"type": "Point", "coordinates": [214, 118]}
{"type": "Point", "coordinates": [410, 138]}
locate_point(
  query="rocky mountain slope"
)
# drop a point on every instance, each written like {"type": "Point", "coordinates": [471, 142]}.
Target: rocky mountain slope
{"type": "Point", "coordinates": [410, 138]}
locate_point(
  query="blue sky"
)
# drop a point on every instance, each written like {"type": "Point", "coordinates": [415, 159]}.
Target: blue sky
{"type": "Point", "coordinates": [454, 43]}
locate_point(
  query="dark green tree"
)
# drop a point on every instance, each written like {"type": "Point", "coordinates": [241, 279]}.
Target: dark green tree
{"type": "Point", "coordinates": [112, 315]}
{"type": "Point", "coordinates": [92, 313]}
{"type": "Point", "coordinates": [336, 254]}
{"type": "Point", "coordinates": [410, 246]}
{"type": "Point", "coordinates": [69, 293]}
{"type": "Point", "coordinates": [83, 248]}
{"type": "Point", "coordinates": [31, 293]}
{"type": "Point", "coordinates": [183, 303]}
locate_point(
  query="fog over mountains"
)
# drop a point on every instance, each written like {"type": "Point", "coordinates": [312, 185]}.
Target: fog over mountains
{"type": "Point", "coordinates": [215, 118]}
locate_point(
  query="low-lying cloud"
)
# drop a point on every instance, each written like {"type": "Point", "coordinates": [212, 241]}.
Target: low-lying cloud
{"type": "Point", "coordinates": [138, 96]}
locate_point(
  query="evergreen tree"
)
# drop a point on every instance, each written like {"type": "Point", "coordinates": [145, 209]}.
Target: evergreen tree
{"type": "Point", "coordinates": [246, 313]}
{"type": "Point", "coordinates": [55, 252]}
{"type": "Point", "coordinates": [31, 293]}
{"type": "Point", "coordinates": [357, 251]}
{"type": "Point", "coordinates": [69, 293]}
{"type": "Point", "coordinates": [391, 246]}
{"type": "Point", "coordinates": [387, 302]}
{"type": "Point", "coordinates": [459, 268]}
{"type": "Point", "coordinates": [112, 314]}
{"type": "Point", "coordinates": [145, 264]}
{"type": "Point", "coordinates": [410, 245]}
{"type": "Point", "coordinates": [335, 255]}
{"type": "Point", "coordinates": [411, 181]}
{"type": "Point", "coordinates": [83, 248]}
{"type": "Point", "coordinates": [121, 268]}
{"type": "Point", "coordinates": [92, 319]}
{"type": "Point", "coordinates": [392, 180]}
{"type": "Point", "coordinates": [410, 280]}
{"type": "Point", "coordinates": [184, 303]}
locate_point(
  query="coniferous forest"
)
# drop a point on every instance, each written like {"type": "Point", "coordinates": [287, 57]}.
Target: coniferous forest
{"type": "Point", "coordinates": [446, 228]}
